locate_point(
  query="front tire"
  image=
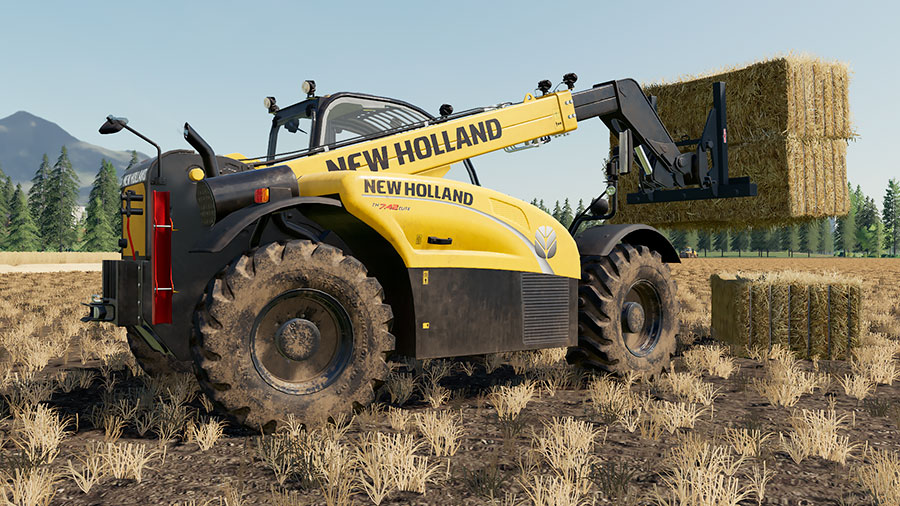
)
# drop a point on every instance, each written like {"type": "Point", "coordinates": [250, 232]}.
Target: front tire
{"type": "Point", "coordinates": [296, 328]}
{"type": "Point", "coordinates": [627, 312]}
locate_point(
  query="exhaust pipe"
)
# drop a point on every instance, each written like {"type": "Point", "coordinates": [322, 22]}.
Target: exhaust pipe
{"type": "Point", "coordinates": [206, 153]}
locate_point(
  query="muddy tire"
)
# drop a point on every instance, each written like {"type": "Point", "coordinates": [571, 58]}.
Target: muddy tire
{"type": "Point", "coordinates": [296, 328]}
{"type": "Point", "coordinates": [154, 363]}
{"type": "Point", "coordinates": [627, 312]}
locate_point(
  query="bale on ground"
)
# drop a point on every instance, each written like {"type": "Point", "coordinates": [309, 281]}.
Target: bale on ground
{"type": "Point", "coordinates": [788, 126]}
{"type": "Point", "coordinates": [810, 314]}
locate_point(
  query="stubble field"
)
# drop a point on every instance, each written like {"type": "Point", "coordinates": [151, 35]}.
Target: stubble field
{"type": "Point", "coordinates": [80, 424]}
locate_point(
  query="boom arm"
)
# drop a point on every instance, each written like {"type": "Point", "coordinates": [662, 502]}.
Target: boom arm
{"type": "Point", "coordinates": [666, 172]}
{"type": "Point", "coordinates": [431, 145]}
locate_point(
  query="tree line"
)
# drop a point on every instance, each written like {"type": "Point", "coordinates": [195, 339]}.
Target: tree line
{"type": "Point", "coordinates": [46, 218]}
{"type": "Point", "coordinates": [864, 231]}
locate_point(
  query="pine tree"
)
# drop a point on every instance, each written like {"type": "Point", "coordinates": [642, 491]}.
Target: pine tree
{"type": "Point", "coordinates": [60, 197]}
{"type": "Point", "coordinates": [720, 241]}
{"type": "Point", "coordinates": [679, 239]}
{"type": "Point", "coordinates": [133, 161]}
{"type": "Point", "coordinates": [759, 239]}
{"type": "Point", "coordinates": [557, 212]}
{"type": "Point", "coordinates": [5, 201]}
{"type": "Point", "coordinates": [565, 216]}
{"type": "Point", "coordinates": [690, 238]}
{"type": "Point", "coordinates": [37, 197]}
{"type": "Point", "coordinates": [740, 240]}
{"type": "Point", "coordinates": [845, 232]}
{"type": "Point", "coordinates": [826, 236]}
{"type": "Point", "coordinates": [98, 234]}
{"type": "Point", "coordinates": [105, 191]}
{"type": "Point", "coordinates": [810, 238]}
{"type": "Point", "coordinates": [704, 240]}
{"type": "Point", "coordinates": [23, 233]}
{"type": "Point", "coordinates": [890, 215]}
{"type": "Point", "coordinates": [867, 224]}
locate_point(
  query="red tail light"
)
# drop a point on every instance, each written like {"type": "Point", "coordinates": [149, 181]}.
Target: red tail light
{"type": "Point", "coordinates": [162, 259]}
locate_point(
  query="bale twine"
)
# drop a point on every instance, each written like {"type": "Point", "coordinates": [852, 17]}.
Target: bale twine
{"type": "Point", "coordinates": [810, 314]}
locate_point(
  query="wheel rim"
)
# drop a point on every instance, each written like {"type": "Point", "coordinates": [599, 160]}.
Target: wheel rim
{"type": "Point", "coordinates": [641, 318]}
{"type": "Point", "coordinates": [301, 341]}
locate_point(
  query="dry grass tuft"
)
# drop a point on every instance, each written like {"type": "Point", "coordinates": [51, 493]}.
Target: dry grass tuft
{"type": "Point", "coordinates": [881, 476]}
{"type": "Point", "coordinates": [399, 419]}
{"type": "Point", "coordinates": [126, 460]}
{"type": "Point", "coordinates": [92, 469]}
{"type": "Point", "coordinates": [857, 386]}
{"type": "Point", "coordinates": [876, 362]}
{"type": "Point", "coordinates": [551, 491]}
{"type": "Point", "coordinates": [747, 442]}
{"type": "Point", "coordinates": [509, 401]}
{"type": "Point", "coordinates": [613, 399]}
{"type": "Point", "coordinates": [400, 387]}
{"type": "Point", "coordinates": [39, 433]}
{"type": "Point", "coordinates": [784, 382]}
{"type": "Point", "coordinates": [688, 387]}
{"type": "Point", "coordinates": [712, 360]}
{"type": "Point", "coordinates": [815, 432]}
{"type": "Point", "coordinates": [442, 430]}
{"type": "Point", "coordinates": [207, 433]}
{"type": "Point", "coordinates": [28, 487]}
{"type": "Point", "coordinates": [701, 474]}
{"type": "Point", "coordinates": [388, 462]}
{"type": "Point", "coordinates": [567, 446]}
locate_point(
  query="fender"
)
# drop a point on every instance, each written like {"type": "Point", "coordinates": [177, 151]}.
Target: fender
{"type": "Point", "coordinates": [600, 240]}
{"type": "Point", "coordinates": [223, 232]}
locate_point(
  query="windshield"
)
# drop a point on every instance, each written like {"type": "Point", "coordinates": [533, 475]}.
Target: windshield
{"type": "Point", "coordinates": [350, 117]}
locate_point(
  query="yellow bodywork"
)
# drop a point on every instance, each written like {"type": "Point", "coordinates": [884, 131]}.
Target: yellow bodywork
{"type": "Point", "coordinates": [138, 223]}
{"type": "Point", "coordinates": [394, 185]}
{"type": "Point", "coordinates": [431, 150]}
{"type": "Point", "coordinates": [486, 229]}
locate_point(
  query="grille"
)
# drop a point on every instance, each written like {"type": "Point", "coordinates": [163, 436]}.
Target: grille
{"type": "Point", "coordinates": [206, 204]}
{"type": "Point", "coordinates": [545, 309]}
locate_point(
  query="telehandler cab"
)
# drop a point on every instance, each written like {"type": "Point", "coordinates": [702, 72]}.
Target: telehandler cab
{"type": "Point", "coordinates": [286, 281]}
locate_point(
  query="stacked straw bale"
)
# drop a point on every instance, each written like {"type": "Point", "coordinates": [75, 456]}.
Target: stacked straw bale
{"type": "Point", "coordinates": [810, 314]}
{"type": "Point", "coordinates": [788, 126]}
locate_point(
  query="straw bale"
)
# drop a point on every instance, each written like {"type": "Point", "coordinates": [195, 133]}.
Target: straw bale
{"type": "Point", "coordinates": [796, 95]}
{"type": "Point", "coordinates": [810, 314]}
{"type": "Point", "coordinates": [796, 180]}
{"type": "Point", "coordinates": [788, 123]}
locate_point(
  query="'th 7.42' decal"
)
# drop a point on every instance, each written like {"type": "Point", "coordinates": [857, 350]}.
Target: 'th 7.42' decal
{"type": "Point", "coordinates": [381, 206]}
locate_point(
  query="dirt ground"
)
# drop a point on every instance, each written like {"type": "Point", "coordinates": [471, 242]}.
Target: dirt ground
{"type": "Point", "coordinates": [228, 473]}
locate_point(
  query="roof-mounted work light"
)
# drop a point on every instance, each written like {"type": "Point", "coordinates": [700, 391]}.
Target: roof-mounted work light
{"type": "Point", "coordinates": [309, 87]}
{"type": "Point", "coordinates": [269, 103]}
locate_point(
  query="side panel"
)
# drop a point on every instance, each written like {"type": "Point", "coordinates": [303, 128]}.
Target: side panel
{"type": "Point", "coordinates": [447, 224]}
{"type": "Point", "coordinates": [136, 223]}
{"type": "Point", "coordinates": [475, 311]}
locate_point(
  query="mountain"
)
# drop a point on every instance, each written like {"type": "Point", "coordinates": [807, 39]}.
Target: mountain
{"type": "Point", "coordinates": [25, 138]}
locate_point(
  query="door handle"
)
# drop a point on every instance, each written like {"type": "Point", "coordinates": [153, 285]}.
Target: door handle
{"type": "Point", "coordinates": [437, 240]}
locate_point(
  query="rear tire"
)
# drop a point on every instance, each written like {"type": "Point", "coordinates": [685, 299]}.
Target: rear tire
{"type": "Point", "coordinates": [296, 328]}
{"type": "Point", "coordinates": [627, 312]}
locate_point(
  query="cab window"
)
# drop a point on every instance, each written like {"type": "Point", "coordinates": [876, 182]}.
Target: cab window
{"type": "Point", "coordinates": [351, 117]}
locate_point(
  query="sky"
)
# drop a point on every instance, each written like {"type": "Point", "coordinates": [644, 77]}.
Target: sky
{"type": "Point", "coordinates": [163, 63]}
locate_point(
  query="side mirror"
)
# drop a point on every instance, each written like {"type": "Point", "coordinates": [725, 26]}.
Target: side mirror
{"type": "Point", "coordinates": [113, 125]}
{"type": "Point", "coordinates": [626, 151]}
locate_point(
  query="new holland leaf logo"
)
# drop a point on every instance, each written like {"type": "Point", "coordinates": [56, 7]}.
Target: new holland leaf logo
{"type": "Point", "coordinates": [545, 242]}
